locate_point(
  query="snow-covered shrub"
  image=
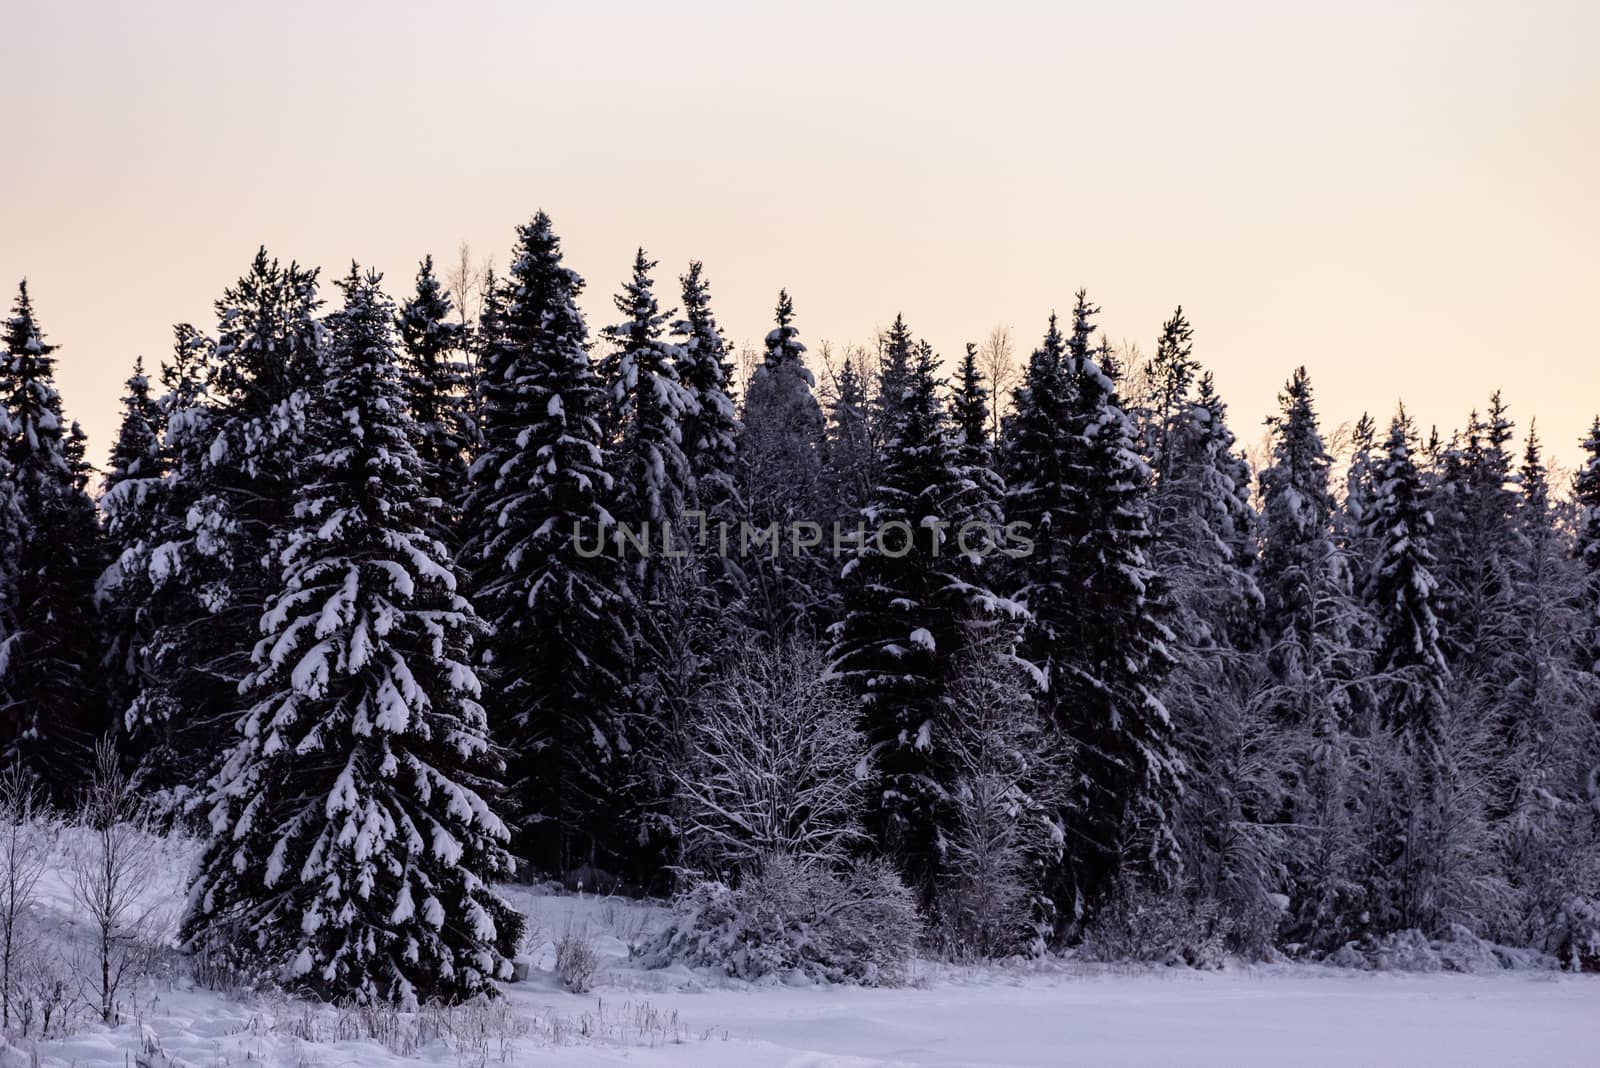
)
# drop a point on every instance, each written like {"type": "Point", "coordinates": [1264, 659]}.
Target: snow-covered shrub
{"type": "Point", "coordinates": [1407, 951]}
{"type": "Point", "coordinates": [1459, 950]}
{"type": "Point", "coordinates": [856, 926]}
{"type": "Point", "coordinates": [1575, 934]}
{"type": "Point", "coordinates": [577, 961]}
{"type": "Point", "coordinates": [1143, 925]}
{"type": "Point", "coordinates": [45, 1001]}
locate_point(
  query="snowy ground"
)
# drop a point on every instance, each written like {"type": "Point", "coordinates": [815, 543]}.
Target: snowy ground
{"type": "Point", "coordinates": [1035, 1015]}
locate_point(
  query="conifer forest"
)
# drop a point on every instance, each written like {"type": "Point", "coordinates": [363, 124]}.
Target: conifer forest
{"type": "Point", "coordinates": [389, 604]}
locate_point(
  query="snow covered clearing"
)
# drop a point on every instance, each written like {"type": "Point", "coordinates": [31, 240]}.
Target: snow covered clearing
{"type": "Point", "coordinates": [1051, 1013]}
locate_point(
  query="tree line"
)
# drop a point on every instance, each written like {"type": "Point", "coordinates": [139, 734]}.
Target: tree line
{"type": "Point", "coordinates": [331, 606]}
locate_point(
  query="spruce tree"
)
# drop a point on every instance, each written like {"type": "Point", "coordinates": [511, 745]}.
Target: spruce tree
{"type": "Point", "coordinates": [1113, 653]}
{"type": "Point", "coordinates": [1311, 611]}
{"type": "Point", "coordinates": [132, 504]}
{"type": "Point", "coordinates": [51, 703]}
{"type": "Point", "coordinates": [851, 459]}
{"type": "Point", "coordinates": [437, 389]}
{"type": "Point", "coordinates": [648, 405]}
{"type": "Point", "coordinates": [1586, 494]}
{"type": "Point", "coordinates": [1476, 509]}
{"type": "Point", "coordinates": [1312, 615]}
{"type": "Point", "coordinates": [1403, 591]}
{"type": "Point", "coordinates": [1545, 739]}
{"type": "Point", "coordinates": [1204, 550]}
{"type": "Point", "coordinates": [780, 450]}
{"type": "Point", "coordinates": [709, 426]}
{"type": "Point", "coordinates": [1168, 379]}
{"type": "Point", "coordinates": [352, 847]}
{"type": "Point", "coordinates": [969, 416]}
{"type": "Point", "coordinates": [148, 584]}
{"type": "Point", "coordinates": [912, 612]}
{"type": "Point", "coordinates": [236, 434]}
{"type": "Point", "coordinates": [538, 524]}
{"type": "Point", "coordinates": [1034, 465]}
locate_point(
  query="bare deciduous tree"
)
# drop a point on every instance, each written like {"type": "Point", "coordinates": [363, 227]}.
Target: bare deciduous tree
{"type": "Point", "coordinates": [24, 854]}
{"type": "Point", "coordinates": [467, 280]}
{"type": "Point", "coordinates": [997, 360]}
{"type": "Point", "coordinates": [773, 768]}
{"type": "Point", "coordinates": [1005, 804]}
{"type": "Point", "coordinates": [111, 870]}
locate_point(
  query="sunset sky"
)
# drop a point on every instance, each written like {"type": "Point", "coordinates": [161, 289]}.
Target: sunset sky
{"type": "Point", "coordinates": [1404, 196]}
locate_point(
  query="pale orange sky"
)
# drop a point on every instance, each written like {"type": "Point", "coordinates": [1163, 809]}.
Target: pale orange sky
{"type": "Point", "coordinates": [1402, 196]}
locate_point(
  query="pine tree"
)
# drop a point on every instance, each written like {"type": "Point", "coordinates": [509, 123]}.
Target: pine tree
{"type": "Point", "coordinates": [352, 848]}
{"type": "Point", "coordinates": [538, 524]}
{"type": "Point", "coordinates": [781, 453]}
{"type": "Point", "coordinates": [912, 612]}
{"type": "Point", "coordinates": [132, 505]}
{"type": "Point", "coordinates": [437, 390]}
{"type": "Point", "coordinates": [50, 700]}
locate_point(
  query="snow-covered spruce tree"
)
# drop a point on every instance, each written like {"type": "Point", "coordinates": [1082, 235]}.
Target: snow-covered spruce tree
{"type": "Point", "coordinates": [850, 457]}
{"type": "Point", "coordinates": [780, 450]}
{"type": "Point", "coordinates": [1476, 504]}
{"type": "Point", "coordinates": [1353, 531]}
{"type": "Point", "coordinates": [1431, 855]}
{"type": "Point", "coordinates": [710, 433]}
{"type": "Point", "coordinates": [1114, 651]}
{"type": "Point", "coordinates": [352, 848]}
{"type": "Point", "coordinates": [132, 505]}
{"type": "Point", "coordinates": [913, 604]}
{"type": "Point", "coordinates": [10, 535]}
{"type": "Point", "coordinates": [1544, 826]}
{"type": "Point", "coordinates": [537, 518]}
{"type": "Point", "coordinates": [1311, 614]}
{"type": "Point", "coordinates": [1205, 552]}
{"type": "Point", "coordinates": [1404, 590]}
{"type": "Point", "coordinates": [436, 386]}
{"type": "Point", "coordinates": [147, 580]}
{"type": "Point", "coordinates": [1308, 611]}
{"type": "Point", "coordinates": [1586, 495]}
{"type": "Point", "coordinates": [709, 426]}
{"type": "Point", "coordinates": [653, 485]}
{"type": "Point", "coordinates": [236, 435]}
{"type": "Point", "coordinates": [51, 703]}
{"type": "Point", "coordinates": [969, 417]}
{"type": "Point", "coordinates": [1034, 465]}
{"type": "Point", "coordinates": [1169, 376]}
{"type": "Point", "coordinates": [648, 404]}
